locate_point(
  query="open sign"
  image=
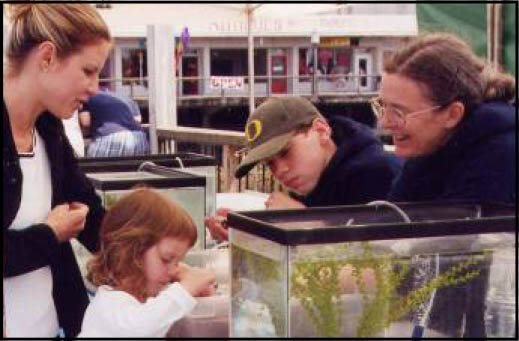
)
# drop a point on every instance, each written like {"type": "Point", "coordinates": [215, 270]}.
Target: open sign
{"type": "Point", "coordinates": [228, 83]}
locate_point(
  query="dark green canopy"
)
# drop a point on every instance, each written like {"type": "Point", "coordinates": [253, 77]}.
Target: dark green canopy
{"type": "Point", "coordinates": [469, 20]}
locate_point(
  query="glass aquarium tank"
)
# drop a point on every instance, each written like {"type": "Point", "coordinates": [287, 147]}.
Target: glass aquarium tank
{"type": "Point", "coordinates": [186, 189]}
{"type": "Point", "coordinates": [198, 164]}
{"type": "Point", "coordinates": [409, 270]}
{"type": "Point", "coordinates": [210, 317]}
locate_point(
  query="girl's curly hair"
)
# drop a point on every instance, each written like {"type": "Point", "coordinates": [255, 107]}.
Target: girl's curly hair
{"type": "Point", "coordinates": [135, 223]}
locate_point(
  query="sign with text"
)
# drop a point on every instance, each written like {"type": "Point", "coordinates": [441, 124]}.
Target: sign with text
{"type": "Point", "coordinates": [334, 41]}
{"type": "Point", "coordinates": [227, 83]}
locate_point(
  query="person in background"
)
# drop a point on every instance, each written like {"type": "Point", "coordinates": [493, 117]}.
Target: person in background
{"type": "Point", "coordinates": [114, 124]}
{"type": "Point", "coordinates": [54, 55]}
{"type": "Point", "coordinates": [322, 164]}
{"type": "Point", "coordinates": [142, 288]}
{"type": "Point", "coordinates": [456, 128]}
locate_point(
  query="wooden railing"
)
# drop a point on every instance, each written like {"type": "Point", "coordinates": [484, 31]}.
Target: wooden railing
{"type": "Point", "coordinates": [231, 142]}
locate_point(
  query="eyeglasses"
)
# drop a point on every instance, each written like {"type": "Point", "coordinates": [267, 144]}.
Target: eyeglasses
{"type": "Point", "coordinates": [399, 117]}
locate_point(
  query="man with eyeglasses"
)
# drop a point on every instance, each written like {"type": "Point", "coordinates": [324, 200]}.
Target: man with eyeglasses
{"type": "Point", "coordinates": [320, 164]}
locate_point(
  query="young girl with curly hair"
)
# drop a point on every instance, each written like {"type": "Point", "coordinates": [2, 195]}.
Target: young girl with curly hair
{"type": "Point", "coordinates": [142, 287]}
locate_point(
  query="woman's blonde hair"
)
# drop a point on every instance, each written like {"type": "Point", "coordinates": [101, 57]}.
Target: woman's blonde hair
{"type": "Point", "coordinates": [135, 223]}
{"type": "Point", "coordinates": [450, 71]}
{"type": "Point", "coordinates": [69, 26]}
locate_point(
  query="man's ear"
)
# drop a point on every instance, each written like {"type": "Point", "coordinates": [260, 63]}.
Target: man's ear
{"type": "Point", "coordinates": [455, 113]}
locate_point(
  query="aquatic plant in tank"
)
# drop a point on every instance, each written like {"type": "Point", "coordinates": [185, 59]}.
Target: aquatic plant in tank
{"type": "Point", "coordinates": [259, 269]}
{"type": "Point", "coordinates": [316, 283]}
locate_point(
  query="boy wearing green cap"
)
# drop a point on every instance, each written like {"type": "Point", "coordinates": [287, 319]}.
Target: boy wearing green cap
{"type": "Point", "coordinates": [321, 164]}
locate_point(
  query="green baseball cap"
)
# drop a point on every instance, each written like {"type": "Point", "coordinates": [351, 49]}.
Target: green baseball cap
{"type": "Point", "coordinates": [271, 126]}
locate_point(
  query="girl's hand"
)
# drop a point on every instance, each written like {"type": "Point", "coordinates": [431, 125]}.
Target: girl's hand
{"type": "Point", "coordinates": [197, 281]}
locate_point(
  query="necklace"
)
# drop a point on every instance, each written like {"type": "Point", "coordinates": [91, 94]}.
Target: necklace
{"type": "Point", "coordinates": [33, 146]}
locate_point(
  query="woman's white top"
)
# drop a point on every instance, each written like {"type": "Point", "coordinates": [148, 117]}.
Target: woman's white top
{"type": "Point", "coordinates": [29, 305]}
{"type": "Point", "coordinates": [74, 134]}
{"type": "Point", "coordinates": [115, 313]}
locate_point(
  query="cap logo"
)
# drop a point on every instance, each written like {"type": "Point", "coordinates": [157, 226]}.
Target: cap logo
{"type": "Point", "coordinates": [253, 130]}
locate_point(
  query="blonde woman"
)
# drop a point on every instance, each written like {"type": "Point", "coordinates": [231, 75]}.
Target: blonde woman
{"type": "Point", "coordinates": [53, 58]}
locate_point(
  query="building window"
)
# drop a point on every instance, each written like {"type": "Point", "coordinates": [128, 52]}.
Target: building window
{"type": "Point", "coordinates": [234, 62]}
{"type": "Point", "coordinates": [106, 76]}
{"type": "Point", "coordinates": [134, 72]}
{"type": "Point", "coordinates": [330, 61]}
{"type": "Point", "coordinates": [342, 61]}
{"type": "Point", "coordinates": [135, 66]}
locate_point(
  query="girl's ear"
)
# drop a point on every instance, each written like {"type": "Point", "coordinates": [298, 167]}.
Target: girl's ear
{"type": "Point", "coordinates": [455, 113]}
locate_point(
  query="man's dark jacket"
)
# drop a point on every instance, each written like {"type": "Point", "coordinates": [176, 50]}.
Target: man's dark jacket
{"type": "Point", "coordinates": [359, 172]}
{"type": "Point", "coordinates": [37, 246]}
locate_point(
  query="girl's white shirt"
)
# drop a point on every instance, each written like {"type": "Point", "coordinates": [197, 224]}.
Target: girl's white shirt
{"type": "Point", "coordinates": [116, 313]}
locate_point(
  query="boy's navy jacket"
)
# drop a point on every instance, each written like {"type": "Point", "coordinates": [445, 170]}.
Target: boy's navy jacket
{"type": "Point", "coordinates": [478, 162]}
{"type": "Point", "coordinates": [359, 172]}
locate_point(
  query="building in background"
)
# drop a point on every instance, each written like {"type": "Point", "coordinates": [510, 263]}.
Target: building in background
{"type": "Point", "coordinates": [348, 43]}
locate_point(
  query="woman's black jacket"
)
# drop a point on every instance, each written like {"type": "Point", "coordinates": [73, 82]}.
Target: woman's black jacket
{"type": "Point", "coordinates": [36, 246]}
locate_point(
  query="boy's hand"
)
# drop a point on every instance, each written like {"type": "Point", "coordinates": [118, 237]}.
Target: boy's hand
{"type": "Point", "coordinates": [278, 200]}
{"type": "Point", "coordinates": [216, 224]}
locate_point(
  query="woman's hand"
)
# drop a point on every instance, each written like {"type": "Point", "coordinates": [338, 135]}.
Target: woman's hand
{"type": "Point", "coordinates": [67, 220]}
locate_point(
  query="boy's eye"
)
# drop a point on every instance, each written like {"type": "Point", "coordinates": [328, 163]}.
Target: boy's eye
{"type": "Point", "coordinates": [284, 152]}
{"type": "Point", "coordinates": [88, 72]}
{"type": "Point", "coordinates": [280, 154]}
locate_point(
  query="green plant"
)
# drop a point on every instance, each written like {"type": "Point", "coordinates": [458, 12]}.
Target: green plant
{"type": "Point", "coordinates": [461, 273]}
{"type": "Point", "coordinates": [388, 274]}
{"type": "Point", "coordinates": [316, 284]}
{"type": "Point", "coordinates": [263, 270]}
{"type": "Point", "coordinates": [387, 306]}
